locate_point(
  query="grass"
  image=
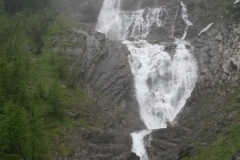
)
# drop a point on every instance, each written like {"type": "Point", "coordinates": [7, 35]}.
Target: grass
{"type": "Point", "coordinates": [73, 99]}
{"type": "Point", "coordinates": [46, 90]}
{"type": "Point", "coordinates": [215, 10]}
{"type": "Point", "coordinates": [50, 68]}
{"type": "Point", "coordinates": [60, 24]}
{"type": "Point", "coordinates": [66, 22]}
{"type": "Point", "coordinates": [227, 141]}
{"type": "Point", "coordinates": [225, 145]}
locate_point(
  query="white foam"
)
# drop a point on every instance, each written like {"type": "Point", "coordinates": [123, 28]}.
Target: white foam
{"type": "Point", "coordinates": [163, 81]}
{"type": "Point", "coordinates": [205, 29]}
{"type": "Point", "coordinates": [120, 25]}
{"type": "Point", "coordinates": [139, 144]}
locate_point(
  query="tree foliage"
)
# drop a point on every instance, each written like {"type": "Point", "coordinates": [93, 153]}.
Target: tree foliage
{"type": "Point", "coordinates": [14, 133]}
{"type": "Point", "coordinates": [21, 126]}
{"type": "Point", "coordinates": [31, 103]}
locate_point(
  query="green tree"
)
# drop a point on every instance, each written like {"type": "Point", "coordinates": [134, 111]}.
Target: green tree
{"type": "Point", "coordinates": [5, 29]}
{"type": "Point", "coordinates": [54, 96]}
{"type": "Point", "coordinates": [37, 138]}
{"type": "Point", "coordinates": [14, 133]}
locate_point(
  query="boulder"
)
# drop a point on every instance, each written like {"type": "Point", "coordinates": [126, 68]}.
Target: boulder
{"type": "Point", "coordinates": [236, 156]}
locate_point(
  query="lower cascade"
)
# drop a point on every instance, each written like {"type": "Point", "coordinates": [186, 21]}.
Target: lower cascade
{"type": "Point", "coordinates": [163, 81]}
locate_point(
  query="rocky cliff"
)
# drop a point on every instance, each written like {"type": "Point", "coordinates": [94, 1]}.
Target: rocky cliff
{"type": "Point", "coordinates": [212, 109]}
{"type": "Point", "coordinates": [103, 71]}
{"type": "Point", "coordinates": [213, 106]}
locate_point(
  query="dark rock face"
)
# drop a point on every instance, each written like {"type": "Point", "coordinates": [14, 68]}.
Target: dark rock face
{"type": "Point", "coordinates": [165, 142]}
{"type": "Point", "coordinates": [139, 4]}
{"type": "Point", "coordinates": [104, 68]}
{"type": "Point", "coordinates": [236, 156]}
{"type": "Point", "coordinates": [217, 59]}
{"type": "Point", "coordinates": [173, 24]}
{"type": "Point", "coordinates": [217, 54]}
{"type": "Point", "coordinates": [104, 65]}
{"type": "Point", "coordinates": [104, 72]}
{"type": "Point", "coordinates": [104, 145]}
{"type": "Point", "coordinates": [133, 156]}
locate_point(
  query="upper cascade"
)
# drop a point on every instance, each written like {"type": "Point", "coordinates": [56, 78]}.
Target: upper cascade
{"type": "Point", "coordinates": [109, 21]}
{"type": "Point", "coordinates": [121, 25]}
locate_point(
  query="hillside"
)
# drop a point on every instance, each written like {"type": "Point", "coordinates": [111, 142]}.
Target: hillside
{"type": "Point", "coordinates": [46, 105]}
{"type": "Point", "coordinates": [67, 91]}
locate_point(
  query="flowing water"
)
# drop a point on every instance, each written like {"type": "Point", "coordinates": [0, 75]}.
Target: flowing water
{"type": "Point", "coordinates": [163, 81]}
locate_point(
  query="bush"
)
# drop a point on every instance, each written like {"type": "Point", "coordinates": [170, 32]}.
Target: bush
{"type": "Point", "coordinates": [54, 100]}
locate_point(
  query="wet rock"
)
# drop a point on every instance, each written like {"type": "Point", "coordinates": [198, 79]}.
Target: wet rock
{"type": "Point", "coordinates": [232, 115]}
{"type": "Point", "coordinates": [104, 66]}
{"type": "Point", "coordinates": [104, 144]}
{"type": "Point", "coordinates": [185, 151]}
{"type": "Point", "coordinates": [131, 39]}
{"type": "Point", "coordinates": [236, 156]}
{"type": "Point", "coordinates": [103, 71]}
{"type": "Point", "coordinates": [133, 156]}
{"type": "Point", "coordinates": [219, 37]}
{"type": "Point", "coordinates": [164, 142]}
{"type": "Point", "coordinates": [218, 65]}
{"type": "Point", "coordinates": [169, 47]}
{"type": "Point", "coordinates": [72, 115]}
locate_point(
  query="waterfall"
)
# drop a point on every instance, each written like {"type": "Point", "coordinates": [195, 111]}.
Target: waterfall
{"type": "Point", "coordinates": [163, 82]}
{"type": "Point", "coordinates": [120, 25]}
{"type": "Point", "coordinates": [205, 29]}
{"type": "Point", "coordinates": [109, 21]}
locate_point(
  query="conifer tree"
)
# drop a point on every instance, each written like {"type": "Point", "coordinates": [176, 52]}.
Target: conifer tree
{"type": "Point", "coordinates": [54, 100]}
{"type": "Point", "coordinates": [14, 133]}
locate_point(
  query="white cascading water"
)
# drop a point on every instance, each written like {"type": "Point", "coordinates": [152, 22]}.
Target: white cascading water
{"type": "Point", "coordinates": [205, 29]}
{"type": "Point", "coordinates": [163, 82]}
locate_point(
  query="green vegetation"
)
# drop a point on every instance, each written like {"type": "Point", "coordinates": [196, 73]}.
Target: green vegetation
{"type": "Point", "coordinates": [234, 11]}
{"type": "Point", "coordinates": [225, 145]}
{"type": "Point", "coordinates": [215, 10]}
{"type": "Point", "coordinates": [226, 141]}
{"type": "Point", "coordinates": [37, 86]}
